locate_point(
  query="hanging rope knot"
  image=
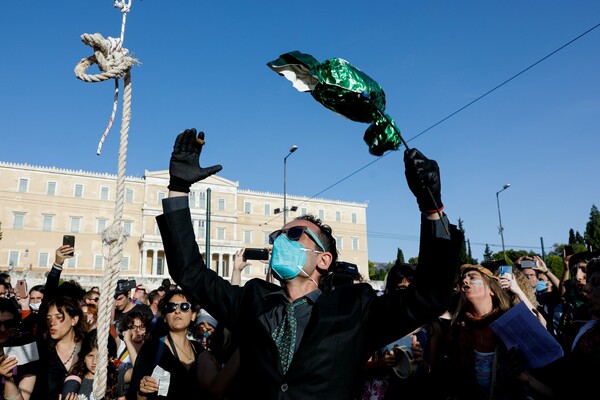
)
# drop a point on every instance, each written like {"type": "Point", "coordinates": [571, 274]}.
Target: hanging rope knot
{"type": "Point", "coordinates": [113, 61]}
{"type": "Point", "coordinates": [112, 234]}
{"type": "Point", "coordinates": [121, 5]}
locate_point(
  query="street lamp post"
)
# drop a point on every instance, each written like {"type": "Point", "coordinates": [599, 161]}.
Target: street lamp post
{"type": "Point", "coordinates": [500, 228]}
{"type": "Point", "coordinates": [285, 210]}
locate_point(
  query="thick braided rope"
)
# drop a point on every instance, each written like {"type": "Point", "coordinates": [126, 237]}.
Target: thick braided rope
{"type": "Point", "coordinates": [113, 238]}
{"type": "Point", "coordinates": [114, 62]}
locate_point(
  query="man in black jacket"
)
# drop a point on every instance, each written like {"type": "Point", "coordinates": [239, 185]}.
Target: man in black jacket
{"type": "Point", "coordinates": [336, 331]}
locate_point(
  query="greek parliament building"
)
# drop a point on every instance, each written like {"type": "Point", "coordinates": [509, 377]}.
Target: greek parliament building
{"type": "Point", "coordinates": [41, 204]}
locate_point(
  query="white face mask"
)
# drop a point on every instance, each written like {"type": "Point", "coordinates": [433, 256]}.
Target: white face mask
{"type": "Point", "coordinates": [35, 306]}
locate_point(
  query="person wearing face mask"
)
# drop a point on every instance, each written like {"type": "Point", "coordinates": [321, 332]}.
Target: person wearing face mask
{"type": "Point", "coordinates": [297, 341]}
{"type": "Point", "coordinates": [36, 295]}
{"type": "Point", "coordinates": [30, 307]}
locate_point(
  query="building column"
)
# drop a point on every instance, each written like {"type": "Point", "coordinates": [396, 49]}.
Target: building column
{"type": "Point", "coordinates": [144, 256]}
{"type": "Point", "coordinates": [220, 264]}
{"type": "Point", "coordinates": [154, 262]}
{"type": "Point", "coordinates": [230, 265]}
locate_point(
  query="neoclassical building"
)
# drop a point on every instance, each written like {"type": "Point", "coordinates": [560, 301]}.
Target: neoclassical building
{"type": "Point", "coordinates": [41, 204]}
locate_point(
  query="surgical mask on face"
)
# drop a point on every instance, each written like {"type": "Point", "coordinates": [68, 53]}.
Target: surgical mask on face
{"type": "Point", "coordinates": [35, 306]}
{"type": "Point", "coordinates": [541, 286]}
{"type": "Point", "coordinates": [287, 258]}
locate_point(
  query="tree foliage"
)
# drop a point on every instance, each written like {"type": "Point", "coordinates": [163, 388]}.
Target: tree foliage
{"type": "Point", "coordinates": [399, 256]}
{"type": "Point", "coordinates": [487, 253]}
{"type": "Point", "coordinates": [592, 230]}
{"type": "Point", "coordinates": [377, 272]}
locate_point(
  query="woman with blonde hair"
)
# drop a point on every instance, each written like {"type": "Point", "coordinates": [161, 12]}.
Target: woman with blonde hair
{"type": "Point", "coordinates": [475, 363]}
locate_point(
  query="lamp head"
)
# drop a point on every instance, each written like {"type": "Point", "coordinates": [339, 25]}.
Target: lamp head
{"type": "Point", "coordinates": [506, 186]}
{"type": "Point", "coordinates": [293, 148]}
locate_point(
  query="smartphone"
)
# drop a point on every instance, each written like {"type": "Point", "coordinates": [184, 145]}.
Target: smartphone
{"type": "Point", "coordinates": [256, 254]}
{"type": "Point", "coordinates": [22, 288]}
{"type": "Point", "coordinates": [569, 250]}
{"type": "Point", "coordinates": [528, 264]}
{"type": "Point", "coordinates": [69, 240]}
{"type": "Point", "coordinates": [505, 270]}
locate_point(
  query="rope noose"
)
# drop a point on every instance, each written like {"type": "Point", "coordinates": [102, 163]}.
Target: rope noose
{"type": "Point", "coordinates": [114, 63]}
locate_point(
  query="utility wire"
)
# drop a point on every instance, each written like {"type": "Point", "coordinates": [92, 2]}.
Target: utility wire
{"type": "Point", "coordinates": [452, 114]}
{"type": "Point", "coordinates": [505, 82]}
{"type": "Point", "coordinates": [412, 238]}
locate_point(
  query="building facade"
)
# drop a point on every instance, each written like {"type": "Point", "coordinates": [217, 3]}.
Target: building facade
{"type": "Point", "coordinates": [38, 205]}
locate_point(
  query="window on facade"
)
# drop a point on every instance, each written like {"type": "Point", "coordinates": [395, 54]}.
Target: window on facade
{"type": "Point", "coordinates": [51, 188]}
{"type": "Point", "coordinates": [160, 266]}
{"type": "Point", "coordinates": [101, 224]}
{"type": "Point", "coordinates": [199, 228]}
{"type": "Point", "coordinates": [354, 243]}
{"type": "Point", "coordinates": [104, 191]}
{"type": "Point", "coordinates": [354, 218]}
{"type": "Point", "coordinates": [127, 227]}
{"type": "Point", "coordinates": [47, 220]}
{"type": "Point", "coordinates": [71, 262]}
{"type": "Point", "coordinates": [338, 216]}
{"type": "Point", "coordinates": [303, 211]}
{"type": "Point", "coordinates": [13, 258]}
{"type": "Point", "coordinates": [192, 199]}
{"type": "Point", "coordinates": [267, 209]}
{"type": "Point", "coordinates": [160, 196]}
{"type": "Point", "coordinates": [247, 270]}
{"type": "Point", "coordinates": [247, 237]}
{"type": "Point", "coordinates": [125, 263]}
{"type": "Point", "coordinates": [322, 215]}
{"type": "Point", "coordinates": [221, 233]}
{"type": "Point", "coordinates": [78, 190]}
{"type": "Point", "coordinates": [266, 237]}
{"type": "Point", "coordinates": [18, 220]}
{"type": "Point", "coordinates": [247, 207]}
{"type": "Point", "coordinates": [98, 261]}
{"type": "Point", "coordinates": [339, 242]}
{"type": "Point", "coordinates": [128, 195]}
{"type": "Point", "coordinates": [221, 204]}
{"type": "Point", "coordinates": [202, 200]}
{"type": "Point", "coordinates": [75, 224]}
{"type": "Point", "coordinates": [23, 185]}
{"type": "Point", "coordinates": [43, 259]}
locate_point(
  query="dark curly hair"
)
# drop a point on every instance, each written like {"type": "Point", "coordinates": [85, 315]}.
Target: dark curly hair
{"type": "Point", "coordinates": [325, 235]}
{"type": "Point", "coordinates": [127, 321]}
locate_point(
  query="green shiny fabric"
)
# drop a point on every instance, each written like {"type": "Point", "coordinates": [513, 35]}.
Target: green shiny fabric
{"type": "Point", "coordinates": [346, 90]}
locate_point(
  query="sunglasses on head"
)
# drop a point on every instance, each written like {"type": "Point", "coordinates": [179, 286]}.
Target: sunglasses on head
{"type": "Point", "coordinates": [295, 233]}
{"type": "Point", "coordinates": [183, 307]}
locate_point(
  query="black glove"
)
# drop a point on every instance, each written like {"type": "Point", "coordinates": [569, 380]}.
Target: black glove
{"type": "Point", "coordinates": [423, 177]}
{"type": "Point", "coordinates": [184, 167]}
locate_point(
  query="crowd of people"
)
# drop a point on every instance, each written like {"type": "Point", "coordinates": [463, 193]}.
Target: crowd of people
{"type": "Point", "coordinates": [431, 333]}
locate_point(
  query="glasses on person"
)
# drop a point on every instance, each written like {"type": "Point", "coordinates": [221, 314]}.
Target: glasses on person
{"type": "Point", "coordinates": [141, 328]}
{"type": "Point", "coordinates": [183, 307]}
{"type": "Point", "coordinates": [295, 233]}
{"type": "Point", "coordinates": [96, 299]}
